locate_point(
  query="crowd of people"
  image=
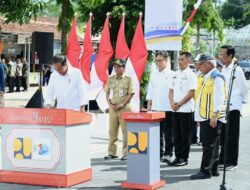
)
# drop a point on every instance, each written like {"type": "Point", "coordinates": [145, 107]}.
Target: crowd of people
{"type": "Point", "coordinates": [190, 100]}
{"type": "Point", "coordinates": [16, 72]}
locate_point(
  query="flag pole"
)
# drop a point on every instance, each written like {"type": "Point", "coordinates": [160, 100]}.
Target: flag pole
{"type": "Point", "coordinates": [190, 18]}
{"type": "Point", "coordinates": [90, 15]}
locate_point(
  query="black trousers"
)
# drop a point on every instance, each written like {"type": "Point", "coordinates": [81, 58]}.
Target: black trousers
{"type": "Point", "coordinates": [18, 83]}
{"type": "Point", "coordinates": [182, 129]}
{"type": "Point", "coordinates": [233, 139]}
{"type": "Point", "coordinates": [24, 83]}
{"type": "Point", "coordinates": [166, 135]}
{"type": "Point", "coordinates": [210, 145]}
{"type": "Point", "coordinates": [11, 84]}
{"type": "Point", "coordinates": [194, 133]}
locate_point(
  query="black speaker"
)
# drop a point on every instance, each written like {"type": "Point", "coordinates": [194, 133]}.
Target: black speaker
{"type": "Point", "coordinates": [42, 47]}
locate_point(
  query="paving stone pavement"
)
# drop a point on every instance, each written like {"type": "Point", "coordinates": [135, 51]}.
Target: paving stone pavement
{"type": "Point", "coordinates": [109, 174]}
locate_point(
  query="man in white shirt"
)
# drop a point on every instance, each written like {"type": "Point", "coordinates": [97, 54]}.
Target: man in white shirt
{"type": "Point", "coordinates": [210, 107]}
{"type": "Point", "coordinates": [157, 97]}
{"type": "Point", "coordinates": [181, 96]}
{"type": "Point", "coordinates": [65, 86]}
{"type": "Point", "coordinates": [238, 97]}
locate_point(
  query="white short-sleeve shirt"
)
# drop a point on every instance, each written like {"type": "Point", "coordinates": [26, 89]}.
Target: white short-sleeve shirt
{"type": "Point", "coordinates": [184, 81]}
{"type": "Point", "coordinates": [158, 89]}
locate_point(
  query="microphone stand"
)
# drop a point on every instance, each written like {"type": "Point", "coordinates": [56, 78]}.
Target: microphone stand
{"type": "Point", "coordinates": [232, 77]}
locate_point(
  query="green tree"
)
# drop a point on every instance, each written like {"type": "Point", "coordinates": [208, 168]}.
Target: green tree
{"type": "Point", "coordinates": [65, 10]}
{"type": "Point", "coordinates": [207, 17]}
{"type": "Point", "coordinates": [116, 8]}
{"type": "Point", "coordinates": [20, 11]}
{"type": "Point", "coordinates": [186, 39]}
{"type": "Point", "coordinates": [65, 19]}
{"type": "Point", "coordinates": [51, 9]}
{"type": "Point", "coordinates": [236, 13]}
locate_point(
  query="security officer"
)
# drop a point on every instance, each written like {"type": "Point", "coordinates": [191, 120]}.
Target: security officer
{"type": "Point", "coordinates": [210, 108]}
{"type": "Point", "coordinates": [119, 91]}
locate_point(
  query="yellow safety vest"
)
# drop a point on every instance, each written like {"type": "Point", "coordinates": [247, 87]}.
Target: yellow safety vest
{"type": "Point", "coordinates": [199, 85]}
{"type": "Point", "coordinates": [207, 96]}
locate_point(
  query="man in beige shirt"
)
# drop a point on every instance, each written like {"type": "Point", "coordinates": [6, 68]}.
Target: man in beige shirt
{"type": "Point", "coordinates": [119, 91]}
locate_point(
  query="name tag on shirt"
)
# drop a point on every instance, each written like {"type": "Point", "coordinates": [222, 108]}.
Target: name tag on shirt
{"type": "Point", "coordinates": [121, 93]}
{"type": "Point", "coordinates": [111, 94]}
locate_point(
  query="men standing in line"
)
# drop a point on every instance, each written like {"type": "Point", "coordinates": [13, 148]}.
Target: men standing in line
{"type": "Point", "coordinates": [181, 96]}
{"type": "Point", "coordinates": [238, 97]}
{"type": "Point", "coordinates": [66, 86]}
{"type": "Point", "coordinates": [119, 91]}
{"type": "Point", "coordinates": [158, 100]}
{"type": "Point", "coordinates": [210, 106]}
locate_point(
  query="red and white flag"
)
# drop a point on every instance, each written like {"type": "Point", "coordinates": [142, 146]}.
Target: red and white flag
{"type": "Point", "coordinates": [87, 53]}
{"type": "Point", "coordinates": [190, 18]}
{"type": "Point", "coordinates": [122, 50]}
{"type": "Point", "coordinates": [136, 63]}
{"type": "Point", "coordinates": [99, 70]}
{"type": "Point", "coordinates": [73, 47]}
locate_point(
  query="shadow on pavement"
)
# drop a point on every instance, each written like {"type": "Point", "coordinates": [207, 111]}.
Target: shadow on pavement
{"type": "Point", "coordinates": [14, 186]}
{"type": "Point", "coordinates": [177, 174]}
{"type": "Point", "coordinates": [96, 188]}
{"type": "Point", "coordinates": [102, 162]}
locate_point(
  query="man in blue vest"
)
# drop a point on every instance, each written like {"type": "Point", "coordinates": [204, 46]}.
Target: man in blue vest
{"type": "Point", "coordinates": [210, 106]}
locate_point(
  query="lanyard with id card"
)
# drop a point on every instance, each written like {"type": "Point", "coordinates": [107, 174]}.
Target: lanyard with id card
{"type": "Point", "coordinates": [111, 94]}
{"type": "Point", "coordinates": [121, 93]}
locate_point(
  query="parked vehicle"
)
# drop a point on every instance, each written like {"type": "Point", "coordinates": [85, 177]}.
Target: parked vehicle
{"type": "Point", "coordinates": [245, 65]}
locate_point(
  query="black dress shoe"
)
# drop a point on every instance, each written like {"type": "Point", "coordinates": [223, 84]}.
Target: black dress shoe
{"type": "Point", "coordinates": [182, 162]}
{"type": "Point", "coordinates": [123, 158]}
{"type": "Point", "coordinates": [174, 162]}
{"type": "Point", "coordinates": [200, 175]}
{"type": "Point", "coordinates": [215, 173]}
{"type": "Point", "coordinates": [109, 157]}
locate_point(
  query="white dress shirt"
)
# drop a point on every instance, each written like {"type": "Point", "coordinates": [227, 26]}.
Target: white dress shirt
{"type": "Point", "coordinates": [158, 89]}
{"type": "Point", "coordinates": [239, 89]}
{"type": "Point", "coordinates": [68, 89]}
{"type": "Point", "coordinates": [184, 81]}
{"type": "Point", "coordinates": [218, 97]}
